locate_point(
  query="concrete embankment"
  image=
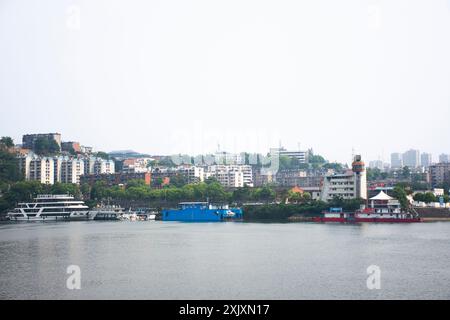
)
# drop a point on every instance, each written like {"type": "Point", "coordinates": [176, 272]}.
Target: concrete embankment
{"type": "Point", "coordinates": [298, 218]}
{"type": "Point", "coordinates": [434, 214]}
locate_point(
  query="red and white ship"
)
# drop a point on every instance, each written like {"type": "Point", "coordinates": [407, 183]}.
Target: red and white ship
{"type": "Point", "coordinates": [382, 208]}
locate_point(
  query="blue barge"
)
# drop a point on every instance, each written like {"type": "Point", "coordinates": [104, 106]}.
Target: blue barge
{"type": "Point", "coordinates": [201, 212]}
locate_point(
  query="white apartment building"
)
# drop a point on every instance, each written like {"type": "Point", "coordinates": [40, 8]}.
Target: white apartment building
{"type": "Point", "coordinates": [228, 179]}
{"type": "Point", "coordinates": [102, 166]}
{"type": "Point", "coordinates": [349, 185]}
{"type": "Point", "coordinates": [233, 176]}
{"type": "Point", "coordinates": [42, 170]}
{"type": "Point", "coordinates": [71, 170]}
{"type": "Point", "coordinates": [57, 162]}
{"type": "Point", "coordinates": [95, 165]}
{"type": "Point", "coordinates": [193, 173]}
{"type": "Point", "coordinates": [301, 156]}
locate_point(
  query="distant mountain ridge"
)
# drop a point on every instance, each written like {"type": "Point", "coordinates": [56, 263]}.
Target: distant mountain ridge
{"type": "Point", "coordinates": [127, 154]}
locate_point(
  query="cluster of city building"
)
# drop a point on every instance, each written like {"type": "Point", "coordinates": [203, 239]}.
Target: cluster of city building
{"type": "Point", "coordinates": [436, 173]}
{"type": "Point", "coordinates": [79, 164]}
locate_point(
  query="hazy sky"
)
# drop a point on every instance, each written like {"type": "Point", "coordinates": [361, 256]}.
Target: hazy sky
{"type": "Point", "coordinates": [169, 76]}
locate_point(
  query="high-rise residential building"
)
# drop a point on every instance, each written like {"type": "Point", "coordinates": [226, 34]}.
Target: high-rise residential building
{"type": "Point", "coordinates": [411, 158]}
{"type": "Point", "coordinates": [93, 165]}
{"type": "Point", "coordinates": [71, 170]}
{"type": "Point", "coordinates": [24, 165]}
{"type": "Point", "coordinates": [396, 161]}
{"type": "Point", "coordinates": [42, 170]}
{"type": "Point", "coordinates": [57, 162]}
{"type": "Point", "coordinates": [444, 158]}
{"type": "Point", "coordinates": [29, 140]}
{"type": "Point", "coordinates": [103, 166]}
{"type": "Point", "coordinates": [426, 159]}
{"type": "Point", "coordinates": [439, 174]}
{"type": "Point", "coordinates": [349, 185]}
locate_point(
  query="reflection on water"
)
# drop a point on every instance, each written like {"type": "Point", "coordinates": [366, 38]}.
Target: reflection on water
{"type": "Point", "coordinates": [157, 260]}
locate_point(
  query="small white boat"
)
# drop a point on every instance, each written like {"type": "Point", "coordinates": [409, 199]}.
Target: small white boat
{"type": "Point", "coordinates": [129, 216]}
{"type": "Point", "coordinates": [108, 212]}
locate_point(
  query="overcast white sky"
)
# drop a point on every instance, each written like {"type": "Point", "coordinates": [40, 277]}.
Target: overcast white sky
{"type": "Point", "coordinates": [171, 76]}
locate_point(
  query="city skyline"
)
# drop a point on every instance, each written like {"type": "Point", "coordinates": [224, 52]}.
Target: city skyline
{"type": "Point", "coordinates": [435, 158]}
{"type": "Point", "coordinates": [149, 77]}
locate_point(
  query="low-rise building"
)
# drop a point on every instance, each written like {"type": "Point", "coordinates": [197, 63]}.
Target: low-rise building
{"type": "Point", "coordinates": [113, 179]}
{"type": "Point", "coordinates": [132, 165]}
{"type": "Point", "coordinates": [301, 156]}
{"type": "Point", "coordinates": [232, 176]}
{"type": "Point", "coordinates": [349, 185]}
{"type": "Point", "coordinates": [29, 140]}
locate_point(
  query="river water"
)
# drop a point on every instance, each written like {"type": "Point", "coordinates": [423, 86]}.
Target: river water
{"type": "Point", "coordinates": [170, 260]}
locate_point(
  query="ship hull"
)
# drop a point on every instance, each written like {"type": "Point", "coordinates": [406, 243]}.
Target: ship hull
{"type": "Point", "coordinates": [323, 219]}
{"type": "Point", "coordinates": [388, 220]}
{"type": "Point", "coordinates": [74, 216]}
{"type": "Point", "coordinates": [368, 220]}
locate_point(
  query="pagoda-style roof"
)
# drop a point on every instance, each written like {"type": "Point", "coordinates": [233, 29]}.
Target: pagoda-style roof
{"type": "Point", "coordinates": [382, 196]}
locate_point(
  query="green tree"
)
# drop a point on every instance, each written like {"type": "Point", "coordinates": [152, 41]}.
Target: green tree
{"type": "Point", "coordinates": [406, 172]}
{"type": "Point", "coordinates": [266, 193]}
{"type": "Point", "coordinates": [99, 190]}
{"type": "Point", "coordinates": [429, 197]}
{"type": "Point", "coordinates": [316, 159]}
{"type": "Point", "coordinates": [66, 188]}
{"type": "Point", "coordinates": [241, 195]}
{"type": "Point", "coordinates": [46, 146]}
{"type": "Point", "coordinates": [103, 155]}
{"type": "Point", "coordinates": [401, 195]}
{"type": "Point", "coordinates": [211, 180]}
{"type": "Point", "coordinates": [178, 180]}
{"type": "Point", "coordinates": [373, 174]}
{"type": "Point", "coordinates": [216, 193]}
{"type": "Point", "coordinates": [7, 142]}
{"type": "Point", "coordinates": [9, 169]}
{"type": "Point", "coordinates": [306, 197]}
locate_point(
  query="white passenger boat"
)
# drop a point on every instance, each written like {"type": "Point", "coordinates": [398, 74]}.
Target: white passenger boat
{"type": "Point", "coordinates": [51, 207]}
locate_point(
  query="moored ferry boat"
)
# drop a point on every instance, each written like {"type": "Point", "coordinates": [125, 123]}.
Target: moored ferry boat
{"type": "Point", "coordinates": [335, 215]}
{"type": "Point", "coordinates": [382, 208]}
{"type": "Point", "coordinates": [201, 212]}
{"type": "Point", "coordinates": [51, 207]}
{"type": "Point", "coordinates": [107, 212]}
